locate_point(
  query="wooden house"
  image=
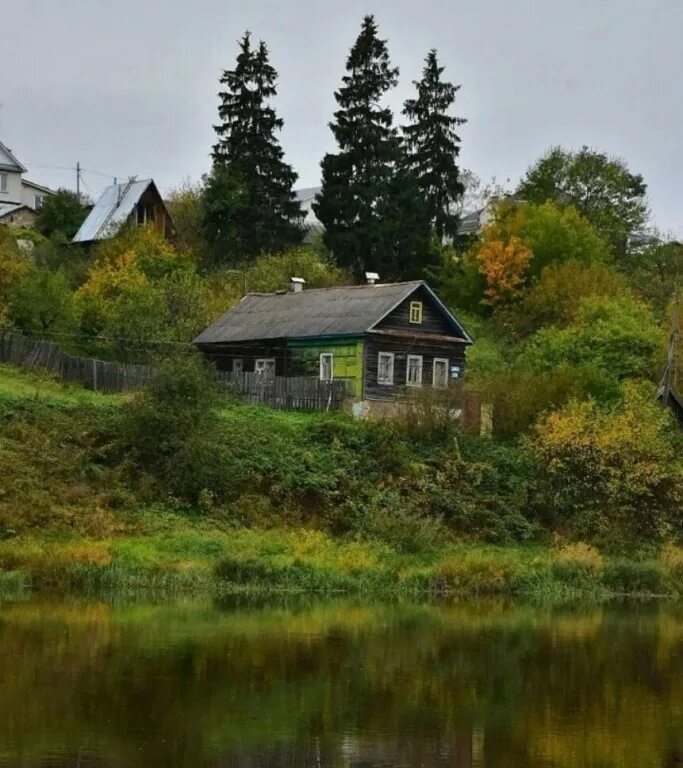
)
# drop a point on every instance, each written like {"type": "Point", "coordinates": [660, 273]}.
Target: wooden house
{"type": "Point", "coordinates": [135, 202]}
{"type": "Point", "coordinates": [382, 340]}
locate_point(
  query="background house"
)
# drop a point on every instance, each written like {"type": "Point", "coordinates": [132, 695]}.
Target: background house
{"type": "Point", "coordinates": [132, 202]}
{"type": "Point", "coordinates": [383, 340]}
{"type": "Point", "coordinates": [311, 223]}
{"type": "Point", "coordinates": [20, 199]}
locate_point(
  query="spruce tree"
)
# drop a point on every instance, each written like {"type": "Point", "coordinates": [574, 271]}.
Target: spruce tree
{"type": "Point", "coordinates": [434, 145]}
{"type": "Point", "coordinates": [248, 149]}
{"type": "Point", "coordinates": [355, 180]}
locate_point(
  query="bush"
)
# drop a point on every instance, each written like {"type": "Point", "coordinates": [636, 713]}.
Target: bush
{"type": "Point", "coordinates": [629, 576]}
{"type": "Point", "coordinates": [616, 335]}
{"type": "Point", "coordinates": [432, 414]}
{"type": "Point", "coordinates": [42, 302]}
{"type": "Point", "coordinates": [477, 573]}
{"type": "Point", "coordinates": [614, 476]}
{"type": "Point", "coordinates": [577, 562]}
{"type": "Point", "coordinates": [672, 562]}
{"type": "Point", "coordinates": [519, 398]}
{"type": "Point", "coordinates": [168, 429]}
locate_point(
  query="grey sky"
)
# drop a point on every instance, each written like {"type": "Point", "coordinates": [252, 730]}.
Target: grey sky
{"type": "Point", "coordinates": [129, 87]}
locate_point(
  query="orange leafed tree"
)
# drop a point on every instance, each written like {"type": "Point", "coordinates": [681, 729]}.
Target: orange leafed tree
{"type": "Point", "coordinates": [503, 266]}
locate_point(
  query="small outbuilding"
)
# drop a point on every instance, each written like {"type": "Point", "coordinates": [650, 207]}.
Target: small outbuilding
{"type": "Point", "coordinates": [133, 202]}
{"type": "Point", "coordinates": [382, 340]}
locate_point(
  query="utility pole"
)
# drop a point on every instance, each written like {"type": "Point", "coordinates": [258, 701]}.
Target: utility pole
{"type": "Point", "coordinates": [78, 180]}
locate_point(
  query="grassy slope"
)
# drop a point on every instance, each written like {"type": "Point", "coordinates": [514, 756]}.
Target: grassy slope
{"type": "Point", "coordinates": [76, 539]}
{"type": "Point", "coordinates": [16, 384]}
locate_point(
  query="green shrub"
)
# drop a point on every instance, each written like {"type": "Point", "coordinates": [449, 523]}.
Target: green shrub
{"type": "Point", "coordinates": [577, 563]}
{"type": "Point", "coordinates": [630, 576]}
{"type": "Point", "coordinates": [168, 430]}
{"type": "Point", "coordinates": [477, 574]}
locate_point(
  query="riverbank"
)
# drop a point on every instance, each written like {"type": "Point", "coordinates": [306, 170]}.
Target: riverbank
{"type": "Point", "coordinates": [204, 560]}
{"type": "Point", "coordinates": [264, 501]}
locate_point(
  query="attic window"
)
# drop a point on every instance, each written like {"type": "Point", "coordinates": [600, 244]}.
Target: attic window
{"type": "Point", "coordinates": [3, 182]}
{"type": "Point", "coordinates": [415, 311]}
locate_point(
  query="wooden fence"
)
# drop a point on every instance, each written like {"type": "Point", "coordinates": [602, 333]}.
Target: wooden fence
{"type": "Point", "coordinates": [287, 393]}
{"type": "Point", "coordinates": [282, 392]}
{"type": "Point", "coordinates": [100, 375]}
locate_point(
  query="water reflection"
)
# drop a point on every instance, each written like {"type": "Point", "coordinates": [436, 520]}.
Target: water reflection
{"type": "Point", "coordinates": [340, 684]}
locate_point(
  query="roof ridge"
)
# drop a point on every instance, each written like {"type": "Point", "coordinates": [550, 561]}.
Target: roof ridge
{"type": "Point", "coordinates": [334, 288]}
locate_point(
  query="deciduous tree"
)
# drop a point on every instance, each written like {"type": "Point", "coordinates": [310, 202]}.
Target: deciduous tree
{"type": "Point", "coordinates": [61, 215]}
{"type": "Point", "coordinates": [601, 187]}
{"type": "Point", "coordinates": [504, 266]}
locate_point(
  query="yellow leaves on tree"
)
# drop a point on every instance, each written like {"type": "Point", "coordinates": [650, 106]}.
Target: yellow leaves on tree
{"type": "Point", "coordinates": [612, 473]}
{"type": "Point", "coordinates": [504, 267]}
{"type": "Point", "coordinates": [107, 279]}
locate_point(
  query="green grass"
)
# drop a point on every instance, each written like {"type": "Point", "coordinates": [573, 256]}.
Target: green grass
{"type": "Point", "coordinates": [300, 560]}
{"type": "Point", "coordinates": [38, 385]}
{"type": "Point", "coordinates": [70, 519]}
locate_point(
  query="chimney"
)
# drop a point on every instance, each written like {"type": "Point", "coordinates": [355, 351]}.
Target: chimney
{"type": "Point", "coordinates": [371, 277]}
{"type": "Point", "coordinates": [297, 284]}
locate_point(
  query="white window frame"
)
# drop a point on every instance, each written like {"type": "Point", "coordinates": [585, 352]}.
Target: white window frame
{"type": "Point", "coordinates": [330, 357]}
{"type": "Point", "coordinates": [4, 183]}
{"type": "Point", "coordinates": [262, 363]}
{"type": "Point", "coordinates": [418, 306]}
{"type": "Point", "coordinates": [238, 365]}
{"type": "Point", "coordinates": [445, 361]}
{"type": "Point", "coordinates": [420, 361]}
{"type": "Point", "coordinates": [38, 201]}
{"type": "Point", "coordinates": [390, 379]}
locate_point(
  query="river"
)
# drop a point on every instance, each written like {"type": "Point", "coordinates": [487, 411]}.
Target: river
{"type": "Point", "coordinates": [298, 683]}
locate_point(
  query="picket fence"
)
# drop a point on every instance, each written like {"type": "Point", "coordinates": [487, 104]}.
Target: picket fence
{"type": "Point", "coordinates": [286, 393]}
{"type": "Point", "coordinates": [282, 392]}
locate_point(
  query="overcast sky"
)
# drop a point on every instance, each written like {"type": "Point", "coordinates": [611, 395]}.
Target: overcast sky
{"type": "Point", "coordinates": [129, 87]}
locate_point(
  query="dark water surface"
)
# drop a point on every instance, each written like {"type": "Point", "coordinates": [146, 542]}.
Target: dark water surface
{"type": "Point", "coordinates": [200, 683]}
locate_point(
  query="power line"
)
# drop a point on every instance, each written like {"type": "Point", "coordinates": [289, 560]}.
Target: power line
{"type": "Point", "coordinates": [78, 168]}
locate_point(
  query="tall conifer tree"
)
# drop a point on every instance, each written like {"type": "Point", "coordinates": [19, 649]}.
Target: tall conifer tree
{"type": "Point", "coordinates": [434, 145]}
{"type": "Point", "coordinates": [356, 178]}
{"type": "Point", "coordinates": [248, 150]}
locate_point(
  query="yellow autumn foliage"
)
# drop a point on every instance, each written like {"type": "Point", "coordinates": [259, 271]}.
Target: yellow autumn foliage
{"type": "Point", "coordinates": [612, 474]}
{"type": "Point", "coordinates": [503, 266]}
{"type": "Point", "coordinates": [106, 279]}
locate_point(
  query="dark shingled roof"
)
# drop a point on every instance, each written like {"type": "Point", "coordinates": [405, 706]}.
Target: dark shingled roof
{"type": "Point", "coordinates": [346, 310]}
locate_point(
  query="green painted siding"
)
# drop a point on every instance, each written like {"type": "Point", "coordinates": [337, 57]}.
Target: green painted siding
{"type": "Point", "coordinates": [348, 359]}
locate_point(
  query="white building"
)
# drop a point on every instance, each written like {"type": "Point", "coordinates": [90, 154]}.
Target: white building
{"type": "Point", "coordinates": [20, 199]}
{"type": "Point", "coordinates": [311, 223]}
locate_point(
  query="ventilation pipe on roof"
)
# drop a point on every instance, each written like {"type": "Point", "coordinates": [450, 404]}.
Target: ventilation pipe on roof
{"type": "Point", "coordinates": [297, 284]}
{"type": "Point", "coordinates": [371, 277]}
